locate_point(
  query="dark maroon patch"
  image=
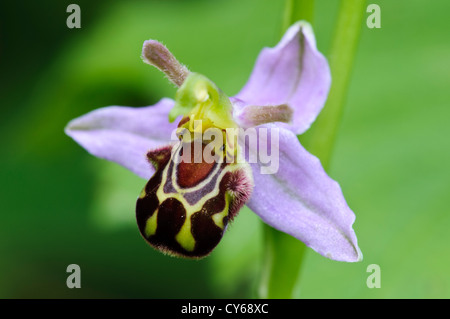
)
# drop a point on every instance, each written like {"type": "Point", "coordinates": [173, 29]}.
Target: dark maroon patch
{"type": "Point", "coordinates": [145, 207]}
{"type": "Point", "coordinates": [216, 204]}
{"type": "Point", "coordinates": [190, 173]}
{"type": "Point", "coordinates": [171, 217]}
{"type": "Point", "coordinates": [206, 233]}
{"type": "Point", "coordinates": [159, 157]}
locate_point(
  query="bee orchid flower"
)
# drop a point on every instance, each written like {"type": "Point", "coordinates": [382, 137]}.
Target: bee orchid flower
{"type": "Point", "coordinates": [186, 205]}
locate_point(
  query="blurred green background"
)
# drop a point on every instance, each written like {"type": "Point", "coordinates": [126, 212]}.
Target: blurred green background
{"type": "Point", "coordinates": [59, 205]}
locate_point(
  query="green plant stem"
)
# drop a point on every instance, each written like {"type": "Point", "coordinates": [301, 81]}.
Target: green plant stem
{"type": "Point", "coordinates": [283, 254]}
{"type": "Point", "coordinates": [320, 138]}
{"type": "Point", "coordinates": [295, 10]}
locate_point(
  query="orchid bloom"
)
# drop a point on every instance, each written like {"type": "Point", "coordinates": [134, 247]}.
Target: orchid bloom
{"type": "Point", "coordinates": [185, 207]}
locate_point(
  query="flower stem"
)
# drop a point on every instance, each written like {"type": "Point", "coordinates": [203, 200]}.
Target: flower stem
{"type": "Point", "coordinates": [283, 253]}
{"type": "Point", "coordinates": [320, 138]}
{"type": "Point", "coordinates": [296, 10]}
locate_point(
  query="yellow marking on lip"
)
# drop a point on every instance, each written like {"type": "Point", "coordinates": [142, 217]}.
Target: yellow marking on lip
{"type": "Point", "coordinates": [184, 236]}
{"type": "Point", "coordinates": [150, 226]}
{"type": "Point", "coordinates": [218, 217]}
